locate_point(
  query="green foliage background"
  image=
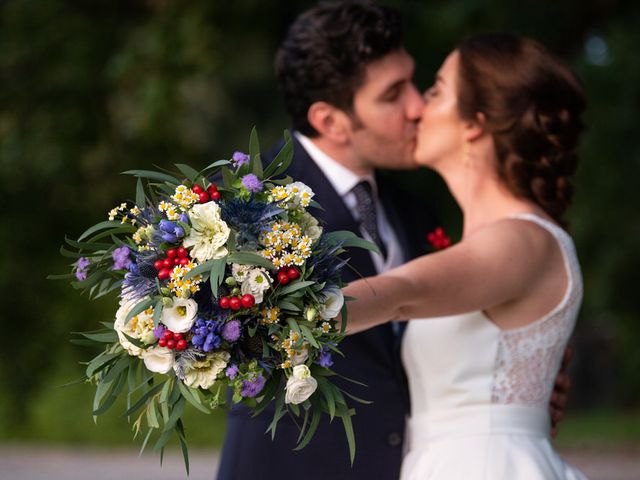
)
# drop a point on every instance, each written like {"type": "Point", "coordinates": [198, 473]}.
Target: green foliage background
{"type": "Point", "coordinates": [89, 89]}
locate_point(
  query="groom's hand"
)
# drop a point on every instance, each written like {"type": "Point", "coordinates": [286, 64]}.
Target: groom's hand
{"type": "Point", "coordinates": [560, 393]}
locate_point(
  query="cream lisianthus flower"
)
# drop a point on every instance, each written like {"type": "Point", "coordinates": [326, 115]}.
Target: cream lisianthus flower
{"type": "Point", "coordinates": [208, 234]}
{"type": "Point", "coordinates": [256, 283]}
{"type": "Point", "coordinates": [203, 373]}
{"type": "Point", "coordinates": [240, 272]}
{"type": "Point", "coordinates": [181, 315]}
{"type": "Point", "coordinates": [300, 356]}
{"type": "Point", "coordinates": [158, 359]}
{"type": "Point", "coordinates": [333, 301]}
{"type": "Point", "coordinates": [300, 385]}
{"type": "Point", "coordinates": [139, 327]}
{"type": "Point", "coordinates": [310, 226]}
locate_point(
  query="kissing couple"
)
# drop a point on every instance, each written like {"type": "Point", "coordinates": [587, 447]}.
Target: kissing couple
{"type": "Point", "coordinates": [461, 350]}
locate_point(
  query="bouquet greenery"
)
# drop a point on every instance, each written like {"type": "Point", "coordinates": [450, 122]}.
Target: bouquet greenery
{"type": "Point", "coordinates": [225, 281]}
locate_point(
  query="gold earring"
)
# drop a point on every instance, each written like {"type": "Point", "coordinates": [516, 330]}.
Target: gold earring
{"type": "Point", "coordinates": [466, 154]}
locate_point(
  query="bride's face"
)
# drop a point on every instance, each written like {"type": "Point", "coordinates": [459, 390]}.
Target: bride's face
{"type": "Point", "coordinates": [440, 131]}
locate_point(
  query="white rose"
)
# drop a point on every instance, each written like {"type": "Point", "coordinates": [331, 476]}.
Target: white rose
{"type": "Point", "coordinates": [300, 385]}
{"type": "Point", "coordinates": [240, 272]}
{"type": "Point", "coordinates": [310, 226]}
{"type": "Point", "coordinates": [256, 282]}
{"type": "Point", "coordinates": [203, 374]}
{"type": "Point", "coordinates": [181, 315]}
{"type": "Point", "coordinates": [139, 327]}
{"type": "Point", "coordinates": [208, 234]}
{"type": "Point", "coordinates": [158, 359]}
{"type": "Point", "coordinates": [334, 299]}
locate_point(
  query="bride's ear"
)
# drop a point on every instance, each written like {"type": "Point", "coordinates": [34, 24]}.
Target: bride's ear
{"type": "Point", "coordinates": [474, 129]}
{"type": "Point", "coordinates": [329, 121]}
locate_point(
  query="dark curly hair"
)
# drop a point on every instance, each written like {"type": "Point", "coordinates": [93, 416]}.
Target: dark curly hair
{"type": "Point", "coordinates": [532, 103]}
{"type": "Point", "coordinates": [326, 51]}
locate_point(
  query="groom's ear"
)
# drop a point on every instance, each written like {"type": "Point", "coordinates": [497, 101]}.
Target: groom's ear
{"type": "Point", "coordinates": [329, 121]}
{"type": "Point", "coordinates": [474, 129]}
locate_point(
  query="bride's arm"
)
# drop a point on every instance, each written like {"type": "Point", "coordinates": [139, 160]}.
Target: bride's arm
{"type": "Point", "coordinates": [489, 268]}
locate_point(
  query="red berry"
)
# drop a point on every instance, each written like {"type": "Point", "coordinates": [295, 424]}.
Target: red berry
{"type": "Point", "coordinates": [293, 273]}
{"type": "Point", "coordinates": [235, 303]}
{"type": "Point", "coordinates": [197, 189]}
{"type": "Point", "coordinates": [177, 336]}
{"type": "Point", "coordinates": [215, 196]}
{"type": "Point", "coordinates": [182, 252]}
{"type": "Point", "coordinates": [168, 334]}
{"type": "Point", "coordinates": [162, 342]}
{"type": "Point", "coordinates": [224, 302]}
{"type": "Point", "coordinates": [158, 264]}
{"type": "Point", "coordinates": [164, 273]}
{"type": "Point", "coordinates": [183, 261]}
{"type": "Point", "coordinates": [282, 277]}
{"type": "Point", "coordinates": [248, 300]}
{"type": "Point", "coordinates": [204, 197]}
{"type": "Point", "coordinates": [167, 262]}
{"type": "Point", "coordinates": [212, 188]}
{"type": "Point", "coordinates": [171, 344]}
{"type": "Point", "coordinates": [172, 252]}
{"type": "Point", "coordinates": [182, 344]}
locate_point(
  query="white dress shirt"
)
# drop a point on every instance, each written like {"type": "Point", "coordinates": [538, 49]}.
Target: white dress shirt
{"type": "Point", "coordinates": [343, 180]}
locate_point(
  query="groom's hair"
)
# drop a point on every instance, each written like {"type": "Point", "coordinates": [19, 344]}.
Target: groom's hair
{"type": "Point", "coordinates": [326, 51]}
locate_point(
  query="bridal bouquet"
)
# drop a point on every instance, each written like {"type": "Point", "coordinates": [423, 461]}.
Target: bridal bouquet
{"type": "Point", "coordinates": [225, 281]}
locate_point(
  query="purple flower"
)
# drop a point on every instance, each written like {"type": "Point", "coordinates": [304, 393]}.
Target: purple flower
{"type": "Point", "coordinates": [158, 332]}
{"type": "Point", "coordinates": [325, 358]}
{"type": "Point", "coordinates": [81, 268]}
{"type": "Point", "coordinates": [239, 158]}
{"type": "Point", "coordinates": [251, 388]}
{"type": "Point", "coordinates": [231, 331]}
{"type": "Point", "coordinates": [207, 334]}
{"type": "Point", "coordinates": [184, 218]}
{"type": "Point", "coordinates": [232, 371]}
{"type": "Point", "coordinates": [167, 226]}
{"type": "Point", "coordinates": [252, 183]}
{"type": "Point", "coordinates": [121, 260]}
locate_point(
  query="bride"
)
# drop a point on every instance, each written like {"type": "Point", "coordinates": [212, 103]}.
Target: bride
{"type": "Point", "coordinates": [492, 314]}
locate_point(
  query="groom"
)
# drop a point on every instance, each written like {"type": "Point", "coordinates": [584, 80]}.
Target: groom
{"type": "Point", "coordinates": [347, 85]}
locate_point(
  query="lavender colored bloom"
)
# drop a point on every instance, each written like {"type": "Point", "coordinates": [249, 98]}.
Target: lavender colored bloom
{"type": "Point", "coordinates": [81, 268]}
{"type": "Point", "coordinates": [169, 238]}
{"type": "Point", "coordinates": [158, 332]}
{"type": "Point", "coordinates": [121, 260]}
{"type": "Point", "coordinates": [239, 158]}
{"type": "Point", "coordinates": [178, 232]}
{"type": "Point", "coordinates": [232, 371]}
{"type": "Point", "coordinates": [207, 334]}
{"type": "Point", "coordinates": [252, 183]}
{"type": "Point", "coordinates": [184, 218]}
{"type": "Point", "coordinates": [167, 226]}
{"type": "Point", "coordinates": [231, 331]}
{"type": "Point", "coordinates": [325, 358]}
{"type": "Point", "coordinates": [251, 388]}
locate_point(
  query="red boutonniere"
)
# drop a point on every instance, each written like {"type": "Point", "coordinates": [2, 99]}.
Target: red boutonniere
{"type": "Point", "coordinates": [438, 239]}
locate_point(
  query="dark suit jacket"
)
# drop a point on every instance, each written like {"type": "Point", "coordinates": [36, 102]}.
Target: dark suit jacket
{"type": "Point", "coordinates": [371, 357]}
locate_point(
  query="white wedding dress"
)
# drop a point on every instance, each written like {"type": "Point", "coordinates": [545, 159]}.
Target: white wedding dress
{"type": "Point", "coordinates": [480, 394]}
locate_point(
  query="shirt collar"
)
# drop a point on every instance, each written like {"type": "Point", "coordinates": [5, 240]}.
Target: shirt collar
{"type": "Point", "coordinates": [340, 177]}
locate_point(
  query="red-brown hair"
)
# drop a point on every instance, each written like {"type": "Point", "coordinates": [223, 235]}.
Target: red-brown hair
{"type": "Point", "coordinates": [532, 103]}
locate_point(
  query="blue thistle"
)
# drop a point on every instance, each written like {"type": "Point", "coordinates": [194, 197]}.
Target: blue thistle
{"type": "Point", "coordinates": [140, 280]}
{"type": "Point", "coordinates": [326, 263]}
{"type": "Point", "coordinates": [248, 218]}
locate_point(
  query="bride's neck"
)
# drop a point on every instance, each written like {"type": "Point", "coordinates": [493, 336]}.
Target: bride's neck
{"type": "Point", "coordinates": [482, 197]}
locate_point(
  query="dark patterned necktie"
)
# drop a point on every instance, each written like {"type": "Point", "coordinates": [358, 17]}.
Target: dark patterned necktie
{"type": "Point", "coordinates": [368, 215]}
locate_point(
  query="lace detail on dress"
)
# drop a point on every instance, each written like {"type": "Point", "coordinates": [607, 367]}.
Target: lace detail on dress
{"type": "Point", "coordinates": [529, 357]}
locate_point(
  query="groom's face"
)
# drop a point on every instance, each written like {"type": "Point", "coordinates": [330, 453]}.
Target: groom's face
{"type": "Point", "coordinates": [386, 109]}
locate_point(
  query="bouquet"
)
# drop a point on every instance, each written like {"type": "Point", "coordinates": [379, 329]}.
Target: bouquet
{"type": "Point", "coordinates": [225, 282]}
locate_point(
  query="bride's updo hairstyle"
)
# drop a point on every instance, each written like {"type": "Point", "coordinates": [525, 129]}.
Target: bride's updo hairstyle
{"type": "Point", "coordinates": [532, 103]}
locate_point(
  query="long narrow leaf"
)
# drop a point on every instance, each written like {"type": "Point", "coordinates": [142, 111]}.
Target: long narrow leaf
{"type": "Point", "coordinates": [151, 175]}
{"type": "Point", "coordinates": [97, 227]}
{"type": "Point", "coordinates": [250, 258]}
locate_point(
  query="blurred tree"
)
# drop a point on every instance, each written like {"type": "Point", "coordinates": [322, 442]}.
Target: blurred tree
{"type": "Point", "coordinates": [90, 89]}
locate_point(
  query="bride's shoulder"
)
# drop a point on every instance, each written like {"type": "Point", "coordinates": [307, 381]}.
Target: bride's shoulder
{"type": "Point", "coordinates": [512, 237]}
